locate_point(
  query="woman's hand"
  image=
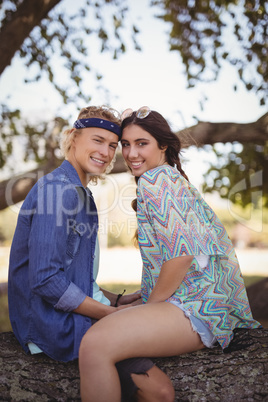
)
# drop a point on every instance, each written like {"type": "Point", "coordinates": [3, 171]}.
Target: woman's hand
{"type": "Point", "coordinates": [137, 302]}
{"type": "Point", "coordinates": [131, 298]}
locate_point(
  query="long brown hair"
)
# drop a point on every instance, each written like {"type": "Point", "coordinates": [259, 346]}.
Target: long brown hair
{"type": "Point", "coordinates": [158, 127]}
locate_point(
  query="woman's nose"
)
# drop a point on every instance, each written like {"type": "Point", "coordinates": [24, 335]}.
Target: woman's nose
{"type": "Point", "coordinates": [132, 152]}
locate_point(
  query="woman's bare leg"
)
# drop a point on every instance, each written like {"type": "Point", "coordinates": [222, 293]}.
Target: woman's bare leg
{"type": "Point", "coordinates": [154, 387]}
{"type": "Point", "coordinates": [153, 329]}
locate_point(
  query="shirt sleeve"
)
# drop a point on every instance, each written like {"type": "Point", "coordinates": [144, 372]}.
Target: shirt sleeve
{"type": "Point", "coordinates": [47, 247]}
{"type": "Point", "coordinates": [71, 298]}
{"type": "Point", "coordinates": [173, 211]}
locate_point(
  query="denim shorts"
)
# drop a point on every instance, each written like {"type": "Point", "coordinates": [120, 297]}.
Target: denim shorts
{"type": "Point", "coordinates": [199, 326]}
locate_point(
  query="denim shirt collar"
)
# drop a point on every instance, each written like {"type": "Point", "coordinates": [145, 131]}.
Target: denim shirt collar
{"type": "Point", "coordinates": [74, 177]}
{"type": "Point", "coordinates": [71, 173]}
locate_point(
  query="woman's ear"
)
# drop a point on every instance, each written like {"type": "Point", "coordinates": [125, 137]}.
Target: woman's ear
{"type": "Point", "coordinates": [163, 147]}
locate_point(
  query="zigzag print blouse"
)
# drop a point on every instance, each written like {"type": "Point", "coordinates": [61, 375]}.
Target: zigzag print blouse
{"type": "Point", "coordinates": [174, 220]}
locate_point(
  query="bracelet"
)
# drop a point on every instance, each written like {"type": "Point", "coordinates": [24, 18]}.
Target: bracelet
{"type": "Point", "coordinates": [118, 297]}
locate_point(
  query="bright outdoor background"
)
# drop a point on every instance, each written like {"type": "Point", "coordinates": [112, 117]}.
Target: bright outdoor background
{"type": "Point", "coordinates": [154, 77]}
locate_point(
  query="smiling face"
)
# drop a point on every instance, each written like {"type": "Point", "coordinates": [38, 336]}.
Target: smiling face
{"type": "Point", "coordinates": [140, 150]}
{"type": "Point", "coordinates": [92, 151]}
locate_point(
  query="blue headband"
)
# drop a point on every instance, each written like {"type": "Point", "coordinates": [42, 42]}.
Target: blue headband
{"type": "Point", "coordinates": [101, 123]}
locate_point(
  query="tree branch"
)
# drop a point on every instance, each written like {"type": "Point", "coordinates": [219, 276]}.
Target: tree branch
{"type": "Point", "coordinates": [210, 133]}
{"type": "Point", "coordinates": [17, 29]}
{"type": "Point", "coordinates": [207, 375]}
{"type": "Point", "coordinates": [16, 188]}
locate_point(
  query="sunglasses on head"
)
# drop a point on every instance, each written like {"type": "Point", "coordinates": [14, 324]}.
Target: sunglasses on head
{"type": "Point", "coordinates": [141, 113]}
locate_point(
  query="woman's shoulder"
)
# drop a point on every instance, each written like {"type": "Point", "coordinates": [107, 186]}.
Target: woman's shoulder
{"type": "Point", "coordinates": [158, 171]}
{"type": "Point", "coordinates": [159, 174]}
{"type": "Point", "coordinates": [159, 181]}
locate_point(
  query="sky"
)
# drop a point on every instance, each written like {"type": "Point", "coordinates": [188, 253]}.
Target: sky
{"type": "Point", "coordinates": [154, 77]}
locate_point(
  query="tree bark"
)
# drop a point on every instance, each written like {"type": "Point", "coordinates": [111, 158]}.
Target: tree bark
{"type": "Point", "coordinates": [210, 133]}
{"type": "Point", "coordinates": [15, 31]}
{"type": "Point", "coordinates": [207, 375]}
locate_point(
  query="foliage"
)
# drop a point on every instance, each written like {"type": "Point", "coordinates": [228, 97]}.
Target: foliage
{"type": "Point", "coordinates": [8, 132]}
{"type": "Point", "coordinates": [39, 140]}
{"type": "Point", "coordinates": [240, 175]}
{"type": "Point", "coordinates": [198, 32]}
{"type": "Point", "coordinates": [207, 32]}
{"type": "Point", "coordinates": [8, 222]}
{"type": "Point", "coordinates": [61, 39]}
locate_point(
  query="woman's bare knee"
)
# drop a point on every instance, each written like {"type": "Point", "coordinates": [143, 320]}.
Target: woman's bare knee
{"type": "Point", "coordinates": [87, 342]}
{"type": "Point", "coordinates": [154, 387]}
{"type": "Point", "coordinates": [165, 392]}
{"type": "Point", "coordinates": [90, 347]}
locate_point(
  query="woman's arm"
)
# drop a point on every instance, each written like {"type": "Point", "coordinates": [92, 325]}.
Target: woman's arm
{"type": "Point", "coordinates": [171, 275]}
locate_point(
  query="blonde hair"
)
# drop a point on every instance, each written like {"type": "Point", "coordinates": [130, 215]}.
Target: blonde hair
{"type": "Point", "coordinates": [101, 112]}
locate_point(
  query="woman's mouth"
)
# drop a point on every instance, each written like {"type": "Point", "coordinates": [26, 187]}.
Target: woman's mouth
{"type": "Point", "coordinates": [135, 165]}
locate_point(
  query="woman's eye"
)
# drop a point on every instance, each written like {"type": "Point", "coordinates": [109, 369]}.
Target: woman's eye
{"type": "Point", "coordinates": [124, 145]}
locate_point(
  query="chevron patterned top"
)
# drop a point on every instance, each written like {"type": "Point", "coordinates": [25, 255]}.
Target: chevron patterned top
{"type": "Point", "coordinates": [174, 220]}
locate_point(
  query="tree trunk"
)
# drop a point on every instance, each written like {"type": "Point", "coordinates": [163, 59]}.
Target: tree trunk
{"type": "Point", "coordinates": [207, 375]}
{"type": "Point", "coordinates": [28, 16]}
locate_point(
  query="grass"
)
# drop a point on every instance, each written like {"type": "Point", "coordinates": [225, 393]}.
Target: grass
{"type": "Point", "coordinates": [5, 325]}
{"type": "Point", "coordinates": [250, 280]}
{"type": "Point", "coordinates": [119, 287]}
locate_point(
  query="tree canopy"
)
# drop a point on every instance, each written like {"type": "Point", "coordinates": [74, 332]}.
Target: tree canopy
{"type": "Point", "coordinates": [205, 34]}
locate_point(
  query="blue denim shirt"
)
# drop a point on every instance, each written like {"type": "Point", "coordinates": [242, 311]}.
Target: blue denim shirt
{"type": "Point", "coordinates": [51, 264]}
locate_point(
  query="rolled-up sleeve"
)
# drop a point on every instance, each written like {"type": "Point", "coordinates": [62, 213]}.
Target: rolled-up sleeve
{"type": "Point", "coordinates": [71, 298]}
